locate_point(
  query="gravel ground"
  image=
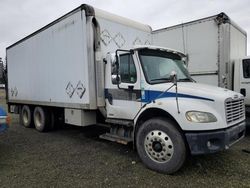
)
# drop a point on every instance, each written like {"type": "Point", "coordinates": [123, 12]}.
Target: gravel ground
{"type": "Point", "coordinates": [76, 157]}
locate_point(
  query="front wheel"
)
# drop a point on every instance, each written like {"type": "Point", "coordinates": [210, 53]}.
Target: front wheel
{"type": "Point", "coordinates": [161, 146]}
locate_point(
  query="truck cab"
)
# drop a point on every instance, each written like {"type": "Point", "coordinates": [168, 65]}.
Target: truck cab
{"type": "Point", "coordinates": [150, 89]}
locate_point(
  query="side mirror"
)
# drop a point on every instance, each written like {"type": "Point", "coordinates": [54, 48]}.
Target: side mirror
{"type": "Point", "coordinates": [185, 61]}
{"type": "Point", "coordinates": [115, 61]}
{"type": "Point", "coordinates": [173, 77]}
{"type": "Point", "coordinates": [116, 79]}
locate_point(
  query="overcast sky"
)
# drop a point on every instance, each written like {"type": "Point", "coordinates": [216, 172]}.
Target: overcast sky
{"type": "Point", "coordinates": [18, 18]}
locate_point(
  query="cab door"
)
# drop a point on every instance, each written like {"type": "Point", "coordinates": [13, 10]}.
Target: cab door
{"type": "Point", "coordinates": [123, 98]}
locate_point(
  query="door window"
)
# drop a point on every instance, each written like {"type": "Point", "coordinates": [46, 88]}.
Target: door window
{"type": "Point", "coordinates": [127, 69]}
{"type": "Point", "coordinates": [246, 68]}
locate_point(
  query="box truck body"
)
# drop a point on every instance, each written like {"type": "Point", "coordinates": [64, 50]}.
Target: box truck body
{"type": "Point", "coordinates": [87, 68]}
{"type": "Point", "coordinates": [214, 46]}
{"type": "Point", "coordinates": [55, 65]}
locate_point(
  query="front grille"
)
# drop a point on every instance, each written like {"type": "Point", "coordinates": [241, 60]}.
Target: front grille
{"type": "Point", "coordinates": [235, 109]}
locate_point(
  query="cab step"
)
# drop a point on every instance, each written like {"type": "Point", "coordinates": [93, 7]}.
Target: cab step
{"type": "Point", "coordinates": [127, 123]}
{"type": "Point", "coordinates": [115, 138]}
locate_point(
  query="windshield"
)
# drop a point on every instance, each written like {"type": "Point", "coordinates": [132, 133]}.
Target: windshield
{"type": "Point", "coordinates": [158, 66]}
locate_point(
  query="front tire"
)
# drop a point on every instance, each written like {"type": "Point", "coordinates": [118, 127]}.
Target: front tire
{"type": "Point", "coordinates": [161, 146]}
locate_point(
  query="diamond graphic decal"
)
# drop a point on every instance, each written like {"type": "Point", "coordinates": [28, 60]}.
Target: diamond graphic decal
{"type": "Point", "coordinates": [80, 89]}
{"type": "Point", "coordinates": [119, 40]}
{"type": "Point", "coordinates": [137, 41]}
{"type": "Point", "coordinates": [15, 91]}
{"type": "Point", "coordinates": [70, 89]}
{"type": "Point", "coordinates": [106, 37]}
{"type": "Point", "coordinates": [147, 42]}
{"type": "Point", "coordinates": [12, 92]}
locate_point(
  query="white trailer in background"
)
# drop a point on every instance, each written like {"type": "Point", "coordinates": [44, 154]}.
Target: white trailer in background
{"type": "Point", "coordinates": [84, 68]}
{"type": "Point", "coordinates": [215, 47]}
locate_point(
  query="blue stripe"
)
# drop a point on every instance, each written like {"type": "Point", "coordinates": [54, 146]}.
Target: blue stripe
{"type": "Point", "coordinates": [151, 95]}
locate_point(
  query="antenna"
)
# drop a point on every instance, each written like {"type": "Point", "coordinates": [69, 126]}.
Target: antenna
{"type": "Point", "coordinates": [183, 38]}
{"type": "Point", "coordinates": [176, 98]}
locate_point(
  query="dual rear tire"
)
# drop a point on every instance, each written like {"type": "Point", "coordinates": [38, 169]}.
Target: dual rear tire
{"type": "Point", "coordinates": [26, 116]}
{"type": "Point", "coordinates": [43, 119]}
{"type": "Point", "coordinates": [40, 117]}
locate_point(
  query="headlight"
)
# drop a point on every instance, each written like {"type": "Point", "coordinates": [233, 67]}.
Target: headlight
{"type": "Point", "coordinates": [200, 117]}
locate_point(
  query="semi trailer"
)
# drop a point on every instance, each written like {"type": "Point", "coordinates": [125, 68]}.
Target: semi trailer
{"type": "Point", "coordinates": [216, 48]}
{"type": "Point", "coordinates": [91, 67]}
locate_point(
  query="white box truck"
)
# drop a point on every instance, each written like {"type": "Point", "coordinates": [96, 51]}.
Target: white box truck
{"type": "Point", "coordinates": [215, 47]}
{"type": "Point", "coordinates": [86, 68]}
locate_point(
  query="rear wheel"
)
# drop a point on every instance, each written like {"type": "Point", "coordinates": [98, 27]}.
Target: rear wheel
{"type": "Point", "coordinates": [25, 116]}
{"type": "Point", "coordinates": [161, 146]}
{"type": "Point", "coordinates": [43, 119]}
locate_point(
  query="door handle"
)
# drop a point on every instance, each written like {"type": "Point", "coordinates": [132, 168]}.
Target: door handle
{"type": "Point", "coordinates": [130, 87]}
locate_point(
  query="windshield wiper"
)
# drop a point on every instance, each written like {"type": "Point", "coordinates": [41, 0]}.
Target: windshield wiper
{"type": "Point", "coordinates": [168, 79]}
{"type": "Point", "coordinates": [184, 80]}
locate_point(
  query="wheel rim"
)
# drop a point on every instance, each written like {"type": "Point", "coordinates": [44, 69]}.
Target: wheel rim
{"type": "Point", "coordinates": [25, 117]}
{"type": "Point", "coordinates": [38, 119]}
{"type": "Point", "coordinates": [159, 146]}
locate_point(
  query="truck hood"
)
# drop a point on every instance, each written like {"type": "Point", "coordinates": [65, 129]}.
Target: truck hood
{"type": "Point", "coordinates": [189, 90]}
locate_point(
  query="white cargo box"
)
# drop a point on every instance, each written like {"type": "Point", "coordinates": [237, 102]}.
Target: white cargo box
{"type": "Point", "coordinates": [212, 45]}
{"type": "Point", "coordinates": [55, 66]}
